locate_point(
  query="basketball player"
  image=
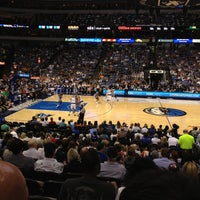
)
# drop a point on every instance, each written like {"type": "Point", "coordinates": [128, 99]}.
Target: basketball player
{"type": "Point", "coordinates": [81, 114]}
{"type": "Point", "coordinates": [73, 104]}
{"type": "Point", "coordinates": [59, 92]}
{"type": "Point", "coordinates": [109, 95]}
{"type": "Point", "coordinates": [79, 101]}
{"type": "Point", "coordinates": [113, 94]}
{"type": "Point", "coordinates": [60, 95]}
{"type": "Point", "coordinates": [96, 96]}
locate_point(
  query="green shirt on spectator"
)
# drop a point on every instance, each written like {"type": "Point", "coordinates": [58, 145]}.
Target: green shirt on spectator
{"type": "Point", "coordinates": [186, 141]}
{"type": "Point", "coordinates": [5, 127]}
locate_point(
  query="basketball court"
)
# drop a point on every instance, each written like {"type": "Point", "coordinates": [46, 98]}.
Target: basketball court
{"type": "Point", "coordinates": [185, 113]}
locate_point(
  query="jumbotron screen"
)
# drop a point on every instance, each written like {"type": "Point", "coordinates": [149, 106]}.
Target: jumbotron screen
{"type": "Point", "coordinates": [170, 3]}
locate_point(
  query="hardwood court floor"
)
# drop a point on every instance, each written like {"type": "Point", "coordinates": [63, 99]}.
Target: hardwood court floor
{"type": "Point", "coordinates": [129, 110]}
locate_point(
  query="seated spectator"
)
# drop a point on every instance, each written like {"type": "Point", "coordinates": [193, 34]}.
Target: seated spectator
{"type": "Point", "coordinates": [159, 130]}
{"type": "Point", "coordinates": [136, 128]}
{"type": "Point", "coordinates": [172, 141]}
{"type": "Point", "coordinates": [164, 161]}
{"type": "Point", "coordinates": [44, 122]}
{"type": "Point", "coordinates": [198, 140]}
{"type": "Point", "coordinates": [16, 146]}
{"type": "Point", "coordinates": [158, 184]}
{"type": "Point", "coordinates": [32, 151]}
{"type": "Point", "coordinates": [175, 128]}
{"type": "Point", "coordinates": [130, 157]}
{"type": "Point", "coordinates": [121, 151]}
{"type": "Point", "coordinates": [154, 154]}
{"type": "Point", "coordinates": [23, 136]}
{"type": "Point", "coordinates": [165, 130]}
{"type": "Point", "coordinates": [5, 127]}
{"type": "Point", "coordinates": [152, 130]}
{"type": "Point", "coordinates": [191, 170]}
{"type": "Point", "coordinates": [62, 124]}
{"type": "Point", "coordinates": [61, 151]}
{"type": "Point", "coordinates": [195, 132]}
{"type": "Point", "coordinates": [49, 163]}
{"type": "Point", "coordinates": [144, 129]}
{"type": "Point", "coordinates": [137, 141]}
{"type": "Point", "coordinates": [139, 165]}
{"type": "Point", "coordinates": [88, 187]}
{"type": "Point", "coordinates": [136, 148]}
{"type": "Point", "coordinates": [14, 132]}
{"type": "Point", "coordinates": [164, 141]}
{"type": "Point", "coordinates": [122, 135]}
{"type": "Point", "coordinates": [34, 122]}
{"type": "Point", "coordinates": [155, 140]}
{"type": "Point", "coordinates": [93, 130]}
{"type": "Point", "coordinates": [4, 141]}
{"type": "Point", "coordinates": [138, 134]}
{"type": "Point", "coordinates": [112, 168]}
{"type": "Point", "coordinates": [146, 140]}
{"type": "Point", "coordinates": [12, 184]}
{"type": "Point", "coordinates": [175, 156]}
{"type": "Point", "coordinates": [51, 122]}
{"type": "Point", "coordinates": [59, 120]}
{"type": "Point", "coordinates": [101, 148]}
{"type": "Point", "coordinates": [73, 161]}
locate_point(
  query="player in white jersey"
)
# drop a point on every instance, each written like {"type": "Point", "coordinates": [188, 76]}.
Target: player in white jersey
{"type": "Point", "coordinates": [109, 95]}
{"type": "Point", "coordinates": [73, 104]}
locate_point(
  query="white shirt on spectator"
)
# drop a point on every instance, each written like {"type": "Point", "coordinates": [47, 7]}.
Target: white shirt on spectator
{"type": "Point", "coordinates": [33, 153]}
{"type": "Point", "coordinates": [138, 134]}
{"type": "Point", "coordinates": [49, 165]}
{"type": "Point", "coordinates": [14, 134]}
{"type": "Point", "coordinates": [112, 169]}
{"type": "Point", "coordinates": [172, 141]}
{"type": "Point", "coordinates": [155, 140]}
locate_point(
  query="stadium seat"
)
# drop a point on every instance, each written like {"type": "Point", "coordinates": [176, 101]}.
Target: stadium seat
{"type": "Point", "coordinates": [52, 188]}
{"type": "Point", "coordinates": [38, 197]}
{"type": "Point", "coordinates": [45, 176]}
{"type": "Point", "coordinates": [34, 187]}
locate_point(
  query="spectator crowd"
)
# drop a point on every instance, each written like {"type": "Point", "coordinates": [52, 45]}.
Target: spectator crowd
{"type": "Point", "coordinates": [99, 152]}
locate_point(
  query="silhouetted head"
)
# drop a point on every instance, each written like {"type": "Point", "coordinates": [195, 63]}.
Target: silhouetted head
{"type": "Point", "coordinates": [12, 183]}
{"type": "Point", "coordinates": [90, 161]}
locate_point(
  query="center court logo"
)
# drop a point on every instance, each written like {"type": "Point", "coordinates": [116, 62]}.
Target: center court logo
{"type": "Point", "coordinates": [42, 115]}
{"type": "Point", "coordinates": [162, 111]}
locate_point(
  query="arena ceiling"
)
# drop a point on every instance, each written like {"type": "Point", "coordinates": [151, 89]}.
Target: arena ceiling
{"type": "Point", "coordinates": [98, 4]}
